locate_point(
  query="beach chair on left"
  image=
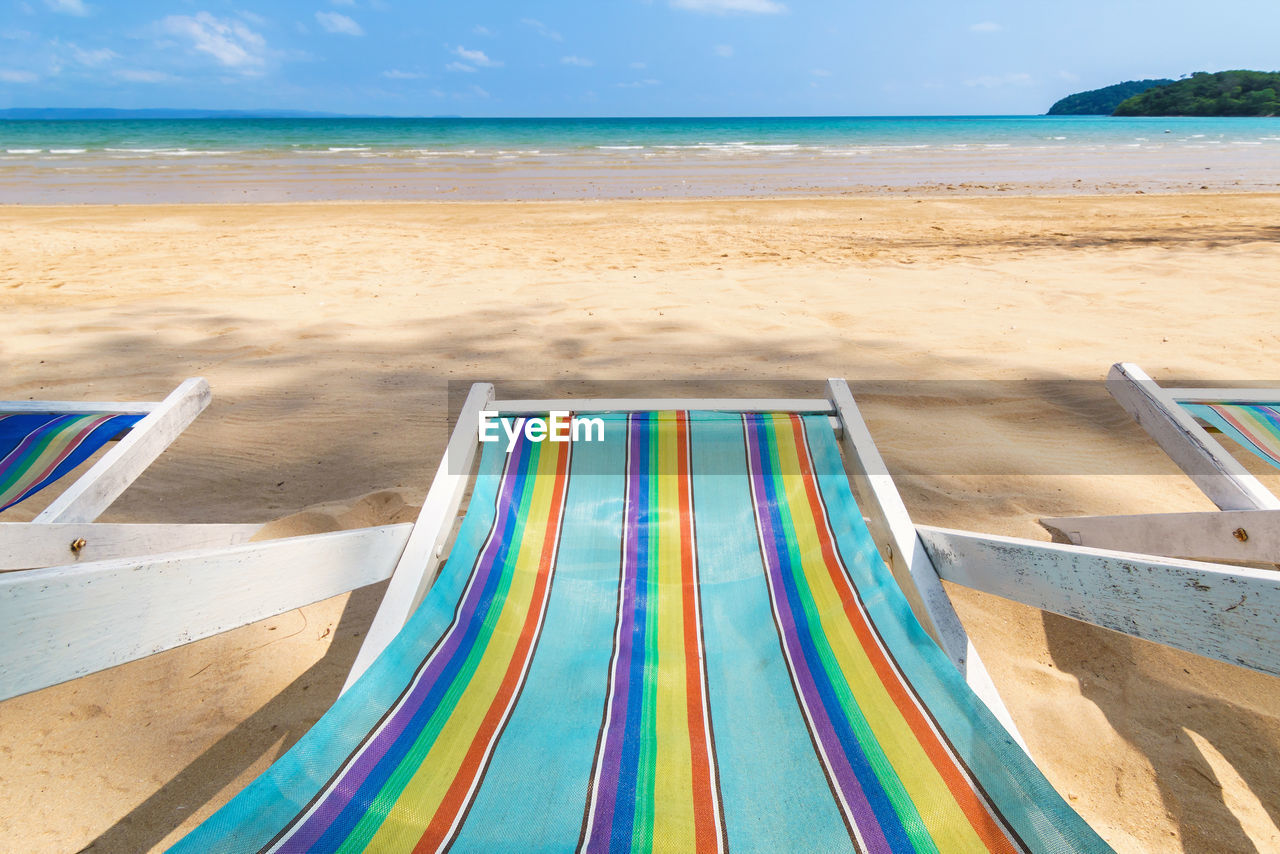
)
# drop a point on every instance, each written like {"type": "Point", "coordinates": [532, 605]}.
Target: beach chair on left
{"type": "Point", "coordinates": [43, 442]}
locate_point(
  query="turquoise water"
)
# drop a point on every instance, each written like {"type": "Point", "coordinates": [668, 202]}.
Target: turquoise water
{"type": "Point", "coordinates": [493, 135]}
{"type": "Point", "coordinates": [211, 159]}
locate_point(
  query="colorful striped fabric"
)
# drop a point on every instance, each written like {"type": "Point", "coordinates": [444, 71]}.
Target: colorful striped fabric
{"type": "Point", "coordinates": [678, 639]}
{"type": "Point", "coordinates": [38, 448]}
{"type": "Point", "coordinates": [1255, 426]}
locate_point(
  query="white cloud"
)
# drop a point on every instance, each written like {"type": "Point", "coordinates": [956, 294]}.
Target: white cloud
{"type": "Point", "coordinates": [1067, 76]}
{"type": "Point", "coordinates": [580, 61]}
{"type": "Point", "coordinates": [138, 76]}
{"type": "Point", "coordinates": [11, 76]}
{"type": "Point", "coordinates": [397, 74]}
{"type": "Point", "coordinates": [542, 29]}
{"type": "Point", "coordinates": [638, 84]}
{"type": "Point", "coordinates": [724, 51]}
{"type": "Point", "coordinates": [986, 27]}
{"type": "Point", "coordinates": [339, 24]}
{"type": "Point", "coordinates": [343, 2]}
{"type": "Point", "coordinates": [723, 7]}
{"type": "Point", "coordinates": [68, 7]}
{"type": "Point", "coordinates": [989, 81]}
{"type": "Point", "coordinates": [230, 42]}
{"type": "Point", "coordinates": [639, 66]}
{"type": "Point", "coordinates": [476, 57]}
{"type": "Point", "coordinates": [820, 72]}
{"type": "Point", "coordinates": [459, 66]}
{"type": "Point", "coordinates": [92, 58]}
{"type": "Point", "coordinates": [482, 31]}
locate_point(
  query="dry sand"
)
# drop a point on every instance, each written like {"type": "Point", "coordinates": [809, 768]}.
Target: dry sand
{"type": "Point", "coordinates": [328, 333]}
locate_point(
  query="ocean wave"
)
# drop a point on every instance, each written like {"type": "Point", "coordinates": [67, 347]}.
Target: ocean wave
{"type": "Point", "coordinates": [23, 150]}
{"type": "Point", "coordinates": [68, 150]}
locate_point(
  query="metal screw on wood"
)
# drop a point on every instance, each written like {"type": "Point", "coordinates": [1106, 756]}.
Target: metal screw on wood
{"type": "Point", "coordinates": [77, 544]}
{"type": "Point", "coordinates": [1241, 534]}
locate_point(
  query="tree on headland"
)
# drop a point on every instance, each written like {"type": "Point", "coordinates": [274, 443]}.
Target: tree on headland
{"type": "Point", "coordinates": [1224, 93]}
{"type": "Point", "coordinates": [1102, 102]}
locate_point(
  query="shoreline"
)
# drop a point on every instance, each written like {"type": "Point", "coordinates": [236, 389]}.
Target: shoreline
{"type": "Point", "coordinates": [818, 198]}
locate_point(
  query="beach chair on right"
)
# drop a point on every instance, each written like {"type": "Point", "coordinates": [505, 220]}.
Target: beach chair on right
{"type": "Point", "coordinates": [1246, 529]}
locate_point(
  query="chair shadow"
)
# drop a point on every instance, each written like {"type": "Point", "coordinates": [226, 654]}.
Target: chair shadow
{"type": "Point", "coordinates": [143, 828]}
{"type": "Point", "coordinates": [1191, 791]}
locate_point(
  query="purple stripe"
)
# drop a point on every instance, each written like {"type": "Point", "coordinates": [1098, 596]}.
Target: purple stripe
{"type": "Point", "coordinates": [348, 783]}
{"type": "Point", "coordinates": [35, 481]}
{"type": "Point", "coordinates": [606, 793]}
{"type": "Point", "coordinates": [837, 763]}
{"type": "Point", "coordinates": [13, 457]}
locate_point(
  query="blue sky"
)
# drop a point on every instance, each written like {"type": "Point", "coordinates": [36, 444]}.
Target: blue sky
{"type": "Point", "coordinates": [612, 57]}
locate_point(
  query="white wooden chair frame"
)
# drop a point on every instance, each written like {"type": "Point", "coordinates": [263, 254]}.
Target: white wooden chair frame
{"type": "Point", "coordinates": [67, 621]}
{"type": "Point", "coordinates": [1247, 529]}
{"type": "Point", "coordinates": [65, 530]}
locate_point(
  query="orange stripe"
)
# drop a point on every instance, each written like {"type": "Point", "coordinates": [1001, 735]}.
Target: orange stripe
{"type": "Point", "coordinates": [456, 796]}
{"type": "Point", "coordinates": [706, 836]}
{"type": "Point", "coordinates": [1254, 438]}
{"type": "Point", "coordinates": [970, 802]}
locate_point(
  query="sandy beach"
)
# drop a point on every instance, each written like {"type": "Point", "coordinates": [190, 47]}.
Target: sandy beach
{"type": "Point", "coordinates": [331, 333]}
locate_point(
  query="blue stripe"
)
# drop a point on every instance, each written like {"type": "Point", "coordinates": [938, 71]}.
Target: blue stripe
{"type": "Point", "coordinates": [15, 428]}
{"type": "Point", "coordinates": [350, 816]}
{"type": "Point", "coordinates": [629, 761]}
{"type": "Point", "coordinates": [811, 638]}
{"type": "Point", "coordinates": [551, 736]}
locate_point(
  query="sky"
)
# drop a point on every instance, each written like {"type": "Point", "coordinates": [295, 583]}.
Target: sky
{"type": "Point", "coordinates": [612, 57]}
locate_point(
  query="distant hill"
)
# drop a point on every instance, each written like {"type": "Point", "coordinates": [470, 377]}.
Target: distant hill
{"type": "Point", "coordinates": [1224, 93]}
{"type": "Point", "coordinates": [64, 113]}
{"type": "Point", "coordinates": [1102, 102]}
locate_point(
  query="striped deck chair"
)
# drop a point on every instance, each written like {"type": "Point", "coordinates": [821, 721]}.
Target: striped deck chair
{"type": "Point", "coordinates": [680, 635]}
{"type": "Point", "coordinates": [43, 441]}
{"type": "Point", "coordinates": [1183, 421]}
{"type": "Point", "coordinates": [680, 638]}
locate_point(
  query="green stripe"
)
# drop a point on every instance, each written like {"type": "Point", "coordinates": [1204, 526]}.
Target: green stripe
{"type": "Point", "coordinates": [884, 770]}
{"type": "Point", "coordinates": [21, 468]}
{"type": "Point", "coordinates": [386, 799]}
{"type": "Point", "coordinates": [646, 767]}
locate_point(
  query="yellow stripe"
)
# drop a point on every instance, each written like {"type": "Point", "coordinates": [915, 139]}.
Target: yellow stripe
{"type": "Point", "coordinates": [1257, 429]}
{"type": "Point", "coordinates": [418, 803]}
{"type": "Point", "coordinates": [673, 826]}
{"type": "Point", "coordinates": [61, 440]}
{"type": "Point", "coordinates": [946, 822]}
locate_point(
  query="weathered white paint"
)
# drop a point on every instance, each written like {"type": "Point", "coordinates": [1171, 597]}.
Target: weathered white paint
{"type": "Point", "coordinates": [891, 528]}
{"type": "Point", "coordinates": [1227, 483]}
{"type": "Point", "coordinates": [85, 499]}
{"type": "Point", "coordinates": [420, 562]}
{"type": "Point", "coordinates": [1225, 395]}
{"type": "Point", "coordinates": [68, 621]}
{"type": "Point", "coordinates": [24, 545]}
{"type": "Point", "coordinates": [14, 407]}
{"type": "Point", "coordinates": [1251, 536]}
{"type": "Point", "coordinates": [590, 405]}
{"type": "Point", "coordinates": [1228, 613]}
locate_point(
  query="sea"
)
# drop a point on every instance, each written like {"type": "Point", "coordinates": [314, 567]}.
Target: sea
{"type": "Point", "coordinates": [318, 159]}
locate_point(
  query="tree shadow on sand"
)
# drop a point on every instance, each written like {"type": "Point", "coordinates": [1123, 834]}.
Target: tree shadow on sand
{"type": "Point", "coordinates": [151, 821]}
{"type": "Point", "coordinates": [396, 435]}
